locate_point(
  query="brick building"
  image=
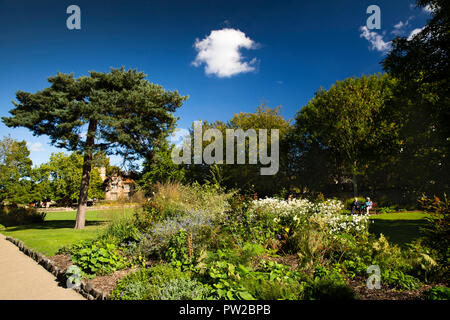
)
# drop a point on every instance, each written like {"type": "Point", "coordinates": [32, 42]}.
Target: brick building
{"type": "Point", "coordinates": [118, 185]}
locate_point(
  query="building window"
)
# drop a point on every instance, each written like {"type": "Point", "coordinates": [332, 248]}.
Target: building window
{"type": "Point", "coordinates": [126, 187]}
{"type": "Point", "coordinates": [113, 196]}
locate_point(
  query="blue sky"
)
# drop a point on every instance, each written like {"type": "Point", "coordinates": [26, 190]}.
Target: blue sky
{"type": "Point", "coordinates": [286, 49]}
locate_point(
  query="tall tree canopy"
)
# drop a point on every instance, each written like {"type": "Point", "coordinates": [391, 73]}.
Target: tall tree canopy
{"type": "Point", "coordinates": [160, 168]}
{"type": "Point", "coordinates": [63, 175]}
{"type": "Point", "coordinates": [349, 123]}
{"type": "Point", "coordinates": [422, 98]}
{"type": "Point", "coordinates": [15, 171]}
{"type": "Point", "coordinates": [124, 114]}
{"type": "Point", "coordinates": [246, 176]}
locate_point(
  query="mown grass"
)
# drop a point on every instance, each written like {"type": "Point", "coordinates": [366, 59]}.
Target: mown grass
{"type": "Point", "coordinates": [399, 227]}
{"type": "Point", "coordinates": [57, 229]}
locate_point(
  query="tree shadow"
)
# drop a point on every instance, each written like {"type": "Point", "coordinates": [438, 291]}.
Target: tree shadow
{"type": "Point", "coordinates": [53, 224]}
{"type": "Point", "coordinates": [400, 232]}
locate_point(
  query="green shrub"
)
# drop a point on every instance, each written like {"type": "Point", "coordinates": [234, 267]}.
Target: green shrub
{"type": "Point", "coordinates": [388, 256]}
{"type": "Point", "coordinates": [245, 255]}
{"type": "Point", "coordinates": [266, 289]}
{"type": "Point", "coordinates": [238, 282]}
{"type": "Point", "coordinates": [437, 293]}
{"type": "Point", "coordinates": [143, 219]}
{"type": "Point", "coordinates": [437, 231]}
{"type": "Point", "coordinates": [121, 229]}
{"type": "Point", "coordinates": [399, 280]}
{"type": "Point", "coordinates": [172, 199]}
{"type": "Point", "coordinates": [328, 285]}
{"type": "Point", "coordinates": [182, 289]}
{"type": "Point", "coordinates": [146, 284]}
{"type": "Point", "coordinates": [97, 258]}
{"type": "Point", "coordinates": [387, 209]}
{"type": "Point", "coordinates": [132, 287]}
{"type": "Point", "coordinates": [184, 234]}
{"type": "Point", "coordinates": [354, 267]}
{"type": "Point", "coordinates": [311, 247]}
{"type": "Point", "coordinates": [13, 215]}
{"type": "Point", "coordinates": [179, 251]}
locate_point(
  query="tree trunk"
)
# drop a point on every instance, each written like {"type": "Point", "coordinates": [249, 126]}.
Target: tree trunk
{"type": "Point", "coordinates": [86, 176]}
{"type": "Point", "coordinates": [355, 186]}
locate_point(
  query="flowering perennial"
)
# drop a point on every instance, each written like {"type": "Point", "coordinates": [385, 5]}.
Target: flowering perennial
{"type": "Point", "coordinates": [294, 209]}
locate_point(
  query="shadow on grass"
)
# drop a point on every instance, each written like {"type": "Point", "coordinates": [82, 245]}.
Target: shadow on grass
{"type": "Point", "coordinates": [54, 224]}
{"type": "Point", "coordinates": [400, 232]}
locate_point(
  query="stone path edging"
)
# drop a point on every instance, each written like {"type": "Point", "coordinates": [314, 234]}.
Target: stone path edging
{"type": "Point", "coordinates": [85, 289]}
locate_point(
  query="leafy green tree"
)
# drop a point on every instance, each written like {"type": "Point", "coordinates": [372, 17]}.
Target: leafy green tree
{"type": "Point", "coordinates": [64, 176]}
{"type": "Point", "coordinates": [422, 98]}
{"type": "Point", "coordinates": [349, 122]}
{"type": "Point", "coordinates": [15, 170]}
{"type": "Point", "coordinates": [123, 113]}
{"type": "Point", "coordinates": [160, 168]}
{"type": "Point", "coordinates": [247, 176]}
{"type": "Point", "coordinates": [40, 184]}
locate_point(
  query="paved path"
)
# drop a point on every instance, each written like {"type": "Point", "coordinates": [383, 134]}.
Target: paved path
{"type": "Point", "coordinates": [22, 278]}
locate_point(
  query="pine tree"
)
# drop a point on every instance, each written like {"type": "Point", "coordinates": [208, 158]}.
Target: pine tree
{"type": "Point", "coordinates": [124, 114]}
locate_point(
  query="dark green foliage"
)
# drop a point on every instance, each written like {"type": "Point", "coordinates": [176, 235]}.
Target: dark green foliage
{"type": "Point", "coordinates": [328, 285]}
{"type": "Point", "coordinates": [12, 215]}
{"type": "Point", "coordinates": [348, 126]}
{"type": "Point", "coordinates": [129, 111]}
{"type": "Point", "coordinates": [329, 289]}
{"type": "Point", "coordinates": [246, 176]}
{"type": "Point", "coordinates": [437, 293]}
{"type": "Point", "coordinates": [179, 251]}
{"type": "Point", "coordinates": [399, 280]}
{"type": "Point", "coordinates": [160, 168]}
{"type": "Point", "coordinates": [437, 232]}
{"type": "Point", "coordinates": [422, 104]}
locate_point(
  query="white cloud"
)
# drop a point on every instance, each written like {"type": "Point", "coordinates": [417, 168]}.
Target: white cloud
{"type": "Point", "coordinates": [220, 52]}
{"type": "Point", "coordinates": [36, 146]}
{"type": "Point", "coordinates": [376, 40]}
{"type": "Point", "coordinates": [414, 33]}
{"type": "Point", "coordinates": [399, 28]}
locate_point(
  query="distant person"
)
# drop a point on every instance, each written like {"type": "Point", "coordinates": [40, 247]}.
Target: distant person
{"type": "Point", "coordinates": [356, 205]}
{"type": "Point", "coordinates": [368, 204]}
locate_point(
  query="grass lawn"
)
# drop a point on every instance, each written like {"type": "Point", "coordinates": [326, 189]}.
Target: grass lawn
{"type": "Point", "coordinates": [398, 227]}
{"type": "Point", "coordinates": [57, 229]}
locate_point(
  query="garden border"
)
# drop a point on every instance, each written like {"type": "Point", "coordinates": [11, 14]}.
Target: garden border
{"type": "Point", "coordinates": [85, 289]}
